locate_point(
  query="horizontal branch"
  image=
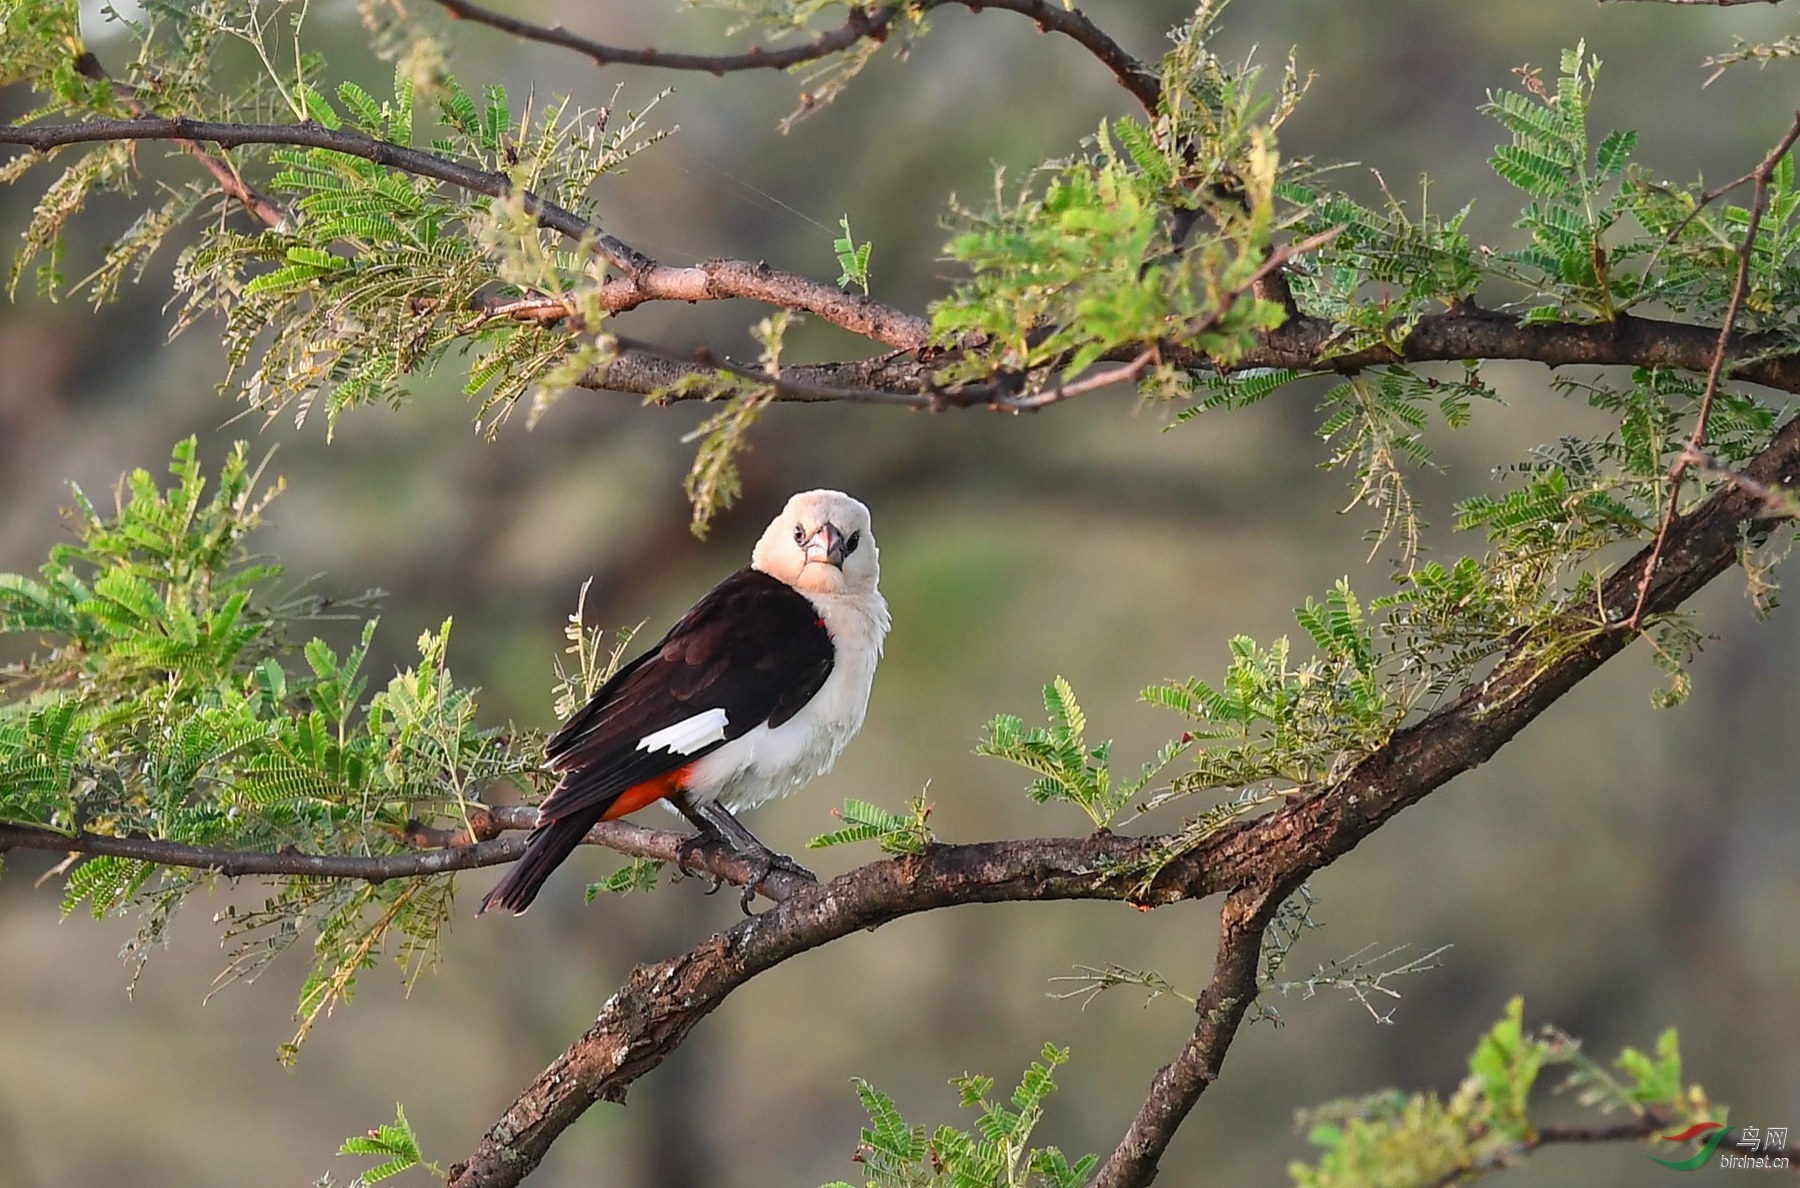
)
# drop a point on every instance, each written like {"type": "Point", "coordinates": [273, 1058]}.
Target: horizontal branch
{"type": "Point", "coordinates": [649, 369]}
{"type": "Point", "coordinates": [713, 280]}
{"type": "Point", "coordinates": [645, 369]}
{"type": "Point", "coordinates": [1470, 332]}
{"type": "Point", "coordinates": [871, 23]}
{"type": "Point", "coordinates": [451, 851]}
{"type": "Point", "coordinates": [859, 25]}
{"type": "Point", "coordinates": [1632, 1129]}
{"type": "Point", "coordinates": [1304, 344]}
{"type": "Point", "coordinates": [643, 279]}
{"type": "Point", "coordinates": [659, 1004]}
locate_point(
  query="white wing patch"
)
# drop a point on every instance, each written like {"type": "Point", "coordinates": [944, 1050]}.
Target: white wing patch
{"type": "Point", "coordinates": [688, 735]}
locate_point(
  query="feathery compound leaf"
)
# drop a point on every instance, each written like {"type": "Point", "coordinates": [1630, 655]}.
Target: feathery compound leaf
{"type": "Point", "coordinates": [1485, 1122]}
{"type": "Point", "coordinates": [395, 1140]}
{"type": "Point", "coordinates": [1614, 152]}
{"type": "Point", "coordinates": [174, 702]}
{"type": "Point", "coordinates": [997, 1153]}
{"type": "Point", "coordinates": [713, 483]}
{"type": "Point", "coordinates": [637, 875]}
{"type": "Point", "coordinates": [853, 259]}
{"type": "Point", "coordinates": [894, 833]}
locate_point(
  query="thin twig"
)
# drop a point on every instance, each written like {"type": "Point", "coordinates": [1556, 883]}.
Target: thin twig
{"type": "Point", "coordinates": [1696, 443]}
{"type": "Point", "coordinates": [1093, 382]}
{"type": "Point", "coordinates": [1779, 501]}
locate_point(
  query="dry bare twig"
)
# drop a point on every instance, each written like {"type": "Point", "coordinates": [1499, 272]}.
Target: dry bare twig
{"type": "Point", "coordinates": [1696, 443]}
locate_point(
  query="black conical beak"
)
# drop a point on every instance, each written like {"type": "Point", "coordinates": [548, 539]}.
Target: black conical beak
{"type": "Point", "coordinates": [827, 545]}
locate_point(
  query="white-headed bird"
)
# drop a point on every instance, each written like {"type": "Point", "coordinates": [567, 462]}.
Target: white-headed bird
{"type": "Point", "coordinates": [750, 695]}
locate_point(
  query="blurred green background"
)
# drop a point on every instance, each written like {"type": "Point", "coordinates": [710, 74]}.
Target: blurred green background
{"type": "Point", "coordinates": [1623, 868]}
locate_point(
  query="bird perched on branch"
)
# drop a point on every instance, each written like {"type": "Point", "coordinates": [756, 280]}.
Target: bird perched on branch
{"type": "Point", "coordinates": [750, 695]}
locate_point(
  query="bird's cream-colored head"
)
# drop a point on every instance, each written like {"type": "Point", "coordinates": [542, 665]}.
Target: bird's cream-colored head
{"type": "Point", "coordinates": [821, 543]}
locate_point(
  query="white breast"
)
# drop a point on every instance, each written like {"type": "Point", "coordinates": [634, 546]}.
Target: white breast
{"type": "Point", "coordinates": [765, 763]}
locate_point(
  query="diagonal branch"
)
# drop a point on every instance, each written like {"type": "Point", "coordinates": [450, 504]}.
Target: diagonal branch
{"type": "Point", "coordinates": [1221, 1008]}
{"type": "Point", "coordinates": [644, 279]}
{"type": "Point", "coordinates": [419, 162]}
{"type": "Point", "coordinates": [270, 214]}
{"type": "Point", "coordinates": [660, 1004]}
{"type": "Point", "coordinates": [1064, 18]}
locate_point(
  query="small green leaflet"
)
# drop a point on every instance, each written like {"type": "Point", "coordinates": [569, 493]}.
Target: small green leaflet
{"type": "Point", "coordinates": [852, 257]}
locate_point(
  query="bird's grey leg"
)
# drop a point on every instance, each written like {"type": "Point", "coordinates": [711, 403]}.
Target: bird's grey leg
{"type": "Point", "coordinates": [704, 831]}
{"type": "Point", "coordinates": [719, 819]}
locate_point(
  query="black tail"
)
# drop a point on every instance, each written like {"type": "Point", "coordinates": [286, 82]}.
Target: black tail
{"type": "Point", "coordinates": [548, 846]}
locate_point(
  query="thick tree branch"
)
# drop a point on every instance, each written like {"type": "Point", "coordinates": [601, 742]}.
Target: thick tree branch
{"type": "Point", "coordinates": [1255, 862]}
{"type": "Point", "coordinates": [1469, 332]}
{"type": "Point", "coordinates": [659, 1004]}
{"type": "Point", "coordinates": [643, 279]}
{"type": "Point", "coordinates": [1304, 343]}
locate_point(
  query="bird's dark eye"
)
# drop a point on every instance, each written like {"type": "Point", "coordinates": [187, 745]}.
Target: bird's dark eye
{"type": "Point", "coordinates": [799, 533]}
{"type": "Point", "coordinates": [850, 545]}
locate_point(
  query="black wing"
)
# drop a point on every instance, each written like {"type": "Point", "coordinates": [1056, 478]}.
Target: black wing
{"type": "Point", "coordinates": [753, 647]}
